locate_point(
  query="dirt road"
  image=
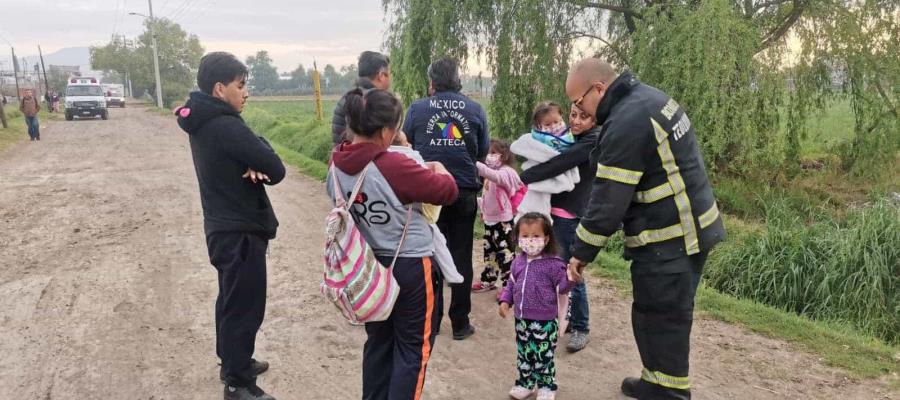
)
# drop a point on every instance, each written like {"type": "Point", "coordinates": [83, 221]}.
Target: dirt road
{"type": "Point", "coordinates": [106, 292]}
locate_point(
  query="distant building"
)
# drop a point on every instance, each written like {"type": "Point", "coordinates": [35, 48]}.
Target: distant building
{"type": "Point", "coordinates": [66, 70]}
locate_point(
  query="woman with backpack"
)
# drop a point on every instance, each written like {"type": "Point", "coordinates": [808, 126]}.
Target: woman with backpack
{"type": "Point", "coordinates": [387, 208]}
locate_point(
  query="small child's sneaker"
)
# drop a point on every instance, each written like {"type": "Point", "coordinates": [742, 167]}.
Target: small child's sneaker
{"type": "Point", "coordinates": [546, 394]}
{"type": "Point", "coordinates": [520, 393]}
{"type": "Point", "coordinates": [481, 287]}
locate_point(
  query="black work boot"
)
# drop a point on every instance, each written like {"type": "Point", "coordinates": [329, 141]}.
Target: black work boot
{"type": "Point", "coordinates": [631, 387]}
{"type": "Point", "coordinates": [258, 368]}
{"type": "Point", "coordinates": [252, 392]}
{"type": "Point", "coordinates": [464, 333]}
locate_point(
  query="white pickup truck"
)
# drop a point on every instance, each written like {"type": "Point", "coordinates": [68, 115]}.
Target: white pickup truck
{"type": "Point", "coordinates": [115, 94]}
{"type": "Point", "coordinates": [84, 98]}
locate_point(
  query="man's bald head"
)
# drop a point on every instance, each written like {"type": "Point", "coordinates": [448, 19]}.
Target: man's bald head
{"type": "Point", "coordinates": [586, 74]}
{"type": "Point", "coordinates": [591, 70]}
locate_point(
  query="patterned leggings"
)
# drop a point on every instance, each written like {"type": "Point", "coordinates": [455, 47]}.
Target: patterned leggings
{"type": "Point", "coordinates": [498, 254]}
{"type": "Point", "coordinates": [536, 345]}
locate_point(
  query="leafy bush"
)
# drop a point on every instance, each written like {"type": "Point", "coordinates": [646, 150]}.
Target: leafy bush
{"type": "Point", "coordinates": [831, 270]}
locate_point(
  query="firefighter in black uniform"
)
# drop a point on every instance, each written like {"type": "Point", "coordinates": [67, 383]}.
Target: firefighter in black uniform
{"type": "Point", "coordinates": [651, 182]}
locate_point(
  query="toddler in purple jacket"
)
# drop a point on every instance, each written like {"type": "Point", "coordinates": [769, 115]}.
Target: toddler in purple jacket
{"type": "Point", "coordinates": [537, 278]}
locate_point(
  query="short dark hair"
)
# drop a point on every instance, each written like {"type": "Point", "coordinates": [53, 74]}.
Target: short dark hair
{"type": "Point", "coordinates": [444, 75]}
{"type": "Point", "coordinates": [552, 247]}
{"type": "Point", "coordinates": [219, 67]}
{"type": "Point", "coordinates": [371, 110]}
{"type": "Point", "coordinates": [371, 63]}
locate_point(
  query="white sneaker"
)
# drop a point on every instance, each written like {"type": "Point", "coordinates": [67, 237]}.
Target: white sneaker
{"type": "Point", "coordinates": [520, 393]}
{"type": "Point", "coordinates": [546, 394]}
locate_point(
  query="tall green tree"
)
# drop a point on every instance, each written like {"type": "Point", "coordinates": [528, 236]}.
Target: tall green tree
{"type": "Point", "coordinates": [179, 58]}
{"type": "Point", "coordinates": [263, 75]}
{"type": "Point", "coordinates": [728, 62]}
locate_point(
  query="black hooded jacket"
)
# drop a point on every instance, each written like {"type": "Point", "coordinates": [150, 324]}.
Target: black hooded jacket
{"type": "Point", "coordinates": [650, 179]}
{"type": "Point", "coordinates": [223, 148]}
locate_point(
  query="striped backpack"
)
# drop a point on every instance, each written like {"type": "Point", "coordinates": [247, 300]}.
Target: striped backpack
{"type": "Point", "coordinates": [358, 285]}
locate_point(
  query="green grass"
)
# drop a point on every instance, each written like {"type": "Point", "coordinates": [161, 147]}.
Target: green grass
{"type": "Point", "coordinates": [291, 125]}
{"type": "Point", "coordinates": [17, 131]}
{"type": "Point", "coordinates": [307, 166]}
{"type": "Point", "coordinates": [845, 270]}
{"type": "Point", "coordinates": [814, 197]}
{"type": "Point", "coordinates": [840, 345]}
{"type": "Point", "coordinates": [828, 129]}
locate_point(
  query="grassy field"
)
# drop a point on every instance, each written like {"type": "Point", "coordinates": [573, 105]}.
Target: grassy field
{"type": "Point", "coordinates": [17, 131]}
{"type": "Point", "coordinates": [293, 126]}
{"type": "Point", "coordinates": [797, 266]}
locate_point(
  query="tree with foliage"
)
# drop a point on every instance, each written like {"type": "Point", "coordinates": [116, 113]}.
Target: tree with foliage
{"type": "Point", "coordinates": [730, 63]}
{"type": "Point", "coordinates": [263, 75]}
{"type": "Point", "coordinates": [179, 58]}
{"type": "Point", "coordinates": [299, 78]}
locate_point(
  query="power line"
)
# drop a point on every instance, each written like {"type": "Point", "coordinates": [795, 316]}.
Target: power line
{"type": "Point", "coordinates": [203, 10]}
{"type": "Point", "coordinates": [179, 10]}
{"type": "Point", "coordinates": [116, 18]}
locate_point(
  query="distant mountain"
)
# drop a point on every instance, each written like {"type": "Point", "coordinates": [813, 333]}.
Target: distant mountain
{"type": "Point", "coordinates": [66, 56]}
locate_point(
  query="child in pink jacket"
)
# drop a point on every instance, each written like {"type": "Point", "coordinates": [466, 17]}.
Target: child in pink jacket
{"type": "Point", "coordinates": [501, 183]}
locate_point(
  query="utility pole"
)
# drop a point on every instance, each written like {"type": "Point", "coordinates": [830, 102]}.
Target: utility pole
{"type": "Point", "coordinates": [15, 70]}
{"type": "Point", "coordinates": [159, 102]}
{"type": "Point", "coordinates": [44, 68]}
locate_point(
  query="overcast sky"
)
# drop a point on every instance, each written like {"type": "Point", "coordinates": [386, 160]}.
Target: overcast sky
{"type": "Point", "coordinates": [293, 31]}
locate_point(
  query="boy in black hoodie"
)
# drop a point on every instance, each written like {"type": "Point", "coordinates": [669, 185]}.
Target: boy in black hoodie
{"type": "Point", "coordinates": [232, 164]}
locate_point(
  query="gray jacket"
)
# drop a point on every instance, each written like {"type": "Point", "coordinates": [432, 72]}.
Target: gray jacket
{"type": "Point", "coordinates": [338, 120]}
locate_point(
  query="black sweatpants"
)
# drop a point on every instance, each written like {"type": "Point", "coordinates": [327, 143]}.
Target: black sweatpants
{"type": "Point", "coordinates": [662, 316]}
{"type": "Point", "coordinates": [397, 350]}
{"type": "Point", "coordinates": [240, 259]}
{"type": "Point", "coordinates": [457, 223]}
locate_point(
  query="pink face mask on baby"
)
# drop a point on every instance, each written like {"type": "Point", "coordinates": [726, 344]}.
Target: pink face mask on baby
{"type": "Point", "coordinates": [532, 246]}
{"type": "Point", "coordinates": [556, 129]}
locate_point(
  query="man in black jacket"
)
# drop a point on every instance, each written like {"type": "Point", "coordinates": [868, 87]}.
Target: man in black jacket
{"type": "Point", "coordinates": [374, 72]}
{"type": "Point", "coordinates": [650, 180]}
{"type": "Point", "coordinates": [232, 164]}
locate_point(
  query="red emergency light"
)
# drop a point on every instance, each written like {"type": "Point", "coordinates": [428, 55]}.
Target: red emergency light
{"type": "Point", "coordinates": [74, 81]}
{"type": "Point", "coordinates": [93, 80]}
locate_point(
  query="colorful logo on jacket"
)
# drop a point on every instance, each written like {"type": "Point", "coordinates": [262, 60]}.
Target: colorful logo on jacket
{"type": "Point", "coordinates": [449, 130]}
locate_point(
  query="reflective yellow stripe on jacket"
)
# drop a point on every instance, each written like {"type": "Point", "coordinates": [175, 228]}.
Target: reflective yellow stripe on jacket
{"type": "Point", "coordinates": [653, 195]}
{"type": "Point", "coordinates": [691, 242]}
{"type": "Point", "coordinates": [669, 381]}
{"type": "Point", "coordinates": [592, 239]}
{"type": "Point", "coordinates": [620, 175]}
{"type": "Point", "coordinates": [668, 233]}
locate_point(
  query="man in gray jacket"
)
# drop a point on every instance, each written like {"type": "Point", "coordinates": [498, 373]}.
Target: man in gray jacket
{"type": "Point", "coordinates": [374, 72]}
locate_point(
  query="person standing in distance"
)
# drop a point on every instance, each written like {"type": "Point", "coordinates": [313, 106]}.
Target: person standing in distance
{"type": "Point", "coordinates": [374, 73]}
{"type": "Point", "coordinates": [232, 165]}
{"type": "Point", "coordinates": [30, 106]}
{"type": "Point", "coordinates": [452, 129]}
{"type": "Point", "coordinates": [650, 180]}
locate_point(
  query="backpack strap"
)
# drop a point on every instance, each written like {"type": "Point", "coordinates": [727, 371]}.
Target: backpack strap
{"type": "Point", "coordinates": [356, 188]}
{"type": "Point", "coordinates": [339, 196]}
{"type": "Point", "coordinates": [402, 237]}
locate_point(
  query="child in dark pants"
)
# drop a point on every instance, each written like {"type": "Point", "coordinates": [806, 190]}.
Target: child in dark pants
{"type": "Point", "coordinates": [232, 164]}
{"type": "Point", "coordinates": [501, 182]}
{"type": "Point", "coordinates": [537, 278]}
